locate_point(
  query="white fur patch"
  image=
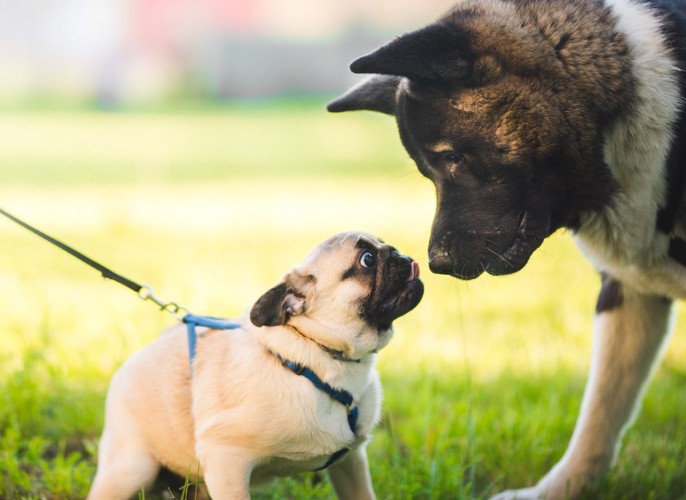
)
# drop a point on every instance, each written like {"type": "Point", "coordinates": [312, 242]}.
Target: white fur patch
{"type": "Point", "coordinates": [623, 239]}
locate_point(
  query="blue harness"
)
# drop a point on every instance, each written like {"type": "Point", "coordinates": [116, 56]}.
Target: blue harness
{"type": "Point", "coordinates": [339, 395]}
{"type": "Point", "coordinates": [192, 321]}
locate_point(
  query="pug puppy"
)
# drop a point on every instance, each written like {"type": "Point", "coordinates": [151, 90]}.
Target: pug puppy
{"type": "Point", "coordinates": [293, 389]}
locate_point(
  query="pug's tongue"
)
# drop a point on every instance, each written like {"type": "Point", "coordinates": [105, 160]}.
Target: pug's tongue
{"type": "Point", "coordinates": [414, 271]}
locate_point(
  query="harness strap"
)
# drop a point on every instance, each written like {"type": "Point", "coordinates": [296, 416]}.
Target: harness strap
{"type": "Point", "coordinates": [340, 395]}
{"type": "Point", "coordinates": [192, 321]}
{"type": "Point", "coordinates": [333, 458]}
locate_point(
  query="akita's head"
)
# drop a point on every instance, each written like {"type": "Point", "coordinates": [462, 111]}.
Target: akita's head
{"type": "Point", "coordinates": [502, 107]}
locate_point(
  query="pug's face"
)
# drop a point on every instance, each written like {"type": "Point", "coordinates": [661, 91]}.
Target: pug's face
{"type": "Point", "coordinates": [345, 294]}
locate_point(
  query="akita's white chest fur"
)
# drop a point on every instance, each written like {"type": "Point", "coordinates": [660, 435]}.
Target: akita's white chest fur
{"type": "Point", "coordinates": [623, 240]}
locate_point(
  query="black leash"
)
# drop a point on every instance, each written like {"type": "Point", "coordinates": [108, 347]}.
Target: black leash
{"type": "Point", "coordinates": [192, 321]}
{"type": "Point", "coordinates": [143, 291]}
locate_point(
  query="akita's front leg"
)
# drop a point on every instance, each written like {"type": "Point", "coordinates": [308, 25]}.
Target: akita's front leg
{"type": "Point", "coordinates": [629, 332]}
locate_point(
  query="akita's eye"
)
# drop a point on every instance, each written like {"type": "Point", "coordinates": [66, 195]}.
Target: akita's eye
{"type": "Point", "coordinates": [368, 259]}
{"type": "Point", "coordinates": [451, 157]}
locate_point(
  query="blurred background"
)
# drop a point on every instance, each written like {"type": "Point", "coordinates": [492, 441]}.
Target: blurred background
{"type": "Point", "coordinates": [121, 52]}
{"type": "Point", "coordinates": [185, 144]}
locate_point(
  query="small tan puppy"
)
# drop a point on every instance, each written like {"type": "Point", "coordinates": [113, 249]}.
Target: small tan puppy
{"type": "Point", "coordinates": [293, 389]}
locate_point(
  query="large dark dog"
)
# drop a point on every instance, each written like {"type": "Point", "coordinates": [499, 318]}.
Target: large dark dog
{"type": "Point", "coordinates": [533, 115]}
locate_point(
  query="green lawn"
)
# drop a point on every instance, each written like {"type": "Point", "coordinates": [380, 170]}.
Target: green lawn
{"type": "Point", "coordinates": [482, 381]}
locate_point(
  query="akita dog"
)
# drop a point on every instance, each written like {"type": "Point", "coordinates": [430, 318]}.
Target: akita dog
{"type": "Point", "coordinates": [534, 115]}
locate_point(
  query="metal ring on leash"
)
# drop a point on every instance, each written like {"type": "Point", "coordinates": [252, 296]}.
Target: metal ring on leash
{"type": "Point", "coordinates": [146, 293]}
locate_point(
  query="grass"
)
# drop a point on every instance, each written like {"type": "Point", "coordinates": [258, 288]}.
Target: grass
{"type": "Point", "coordinates": [201, 145]}
{"type": "Point", "coordinates": [482, 381]}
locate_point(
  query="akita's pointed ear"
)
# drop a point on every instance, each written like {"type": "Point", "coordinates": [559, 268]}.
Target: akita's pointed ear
{"type": "Point", "coordinates": [376, 93]}
{"type": "Point", "coordinates": [280, 303]}
{"type": "Point", "coordinates": [438, 52]}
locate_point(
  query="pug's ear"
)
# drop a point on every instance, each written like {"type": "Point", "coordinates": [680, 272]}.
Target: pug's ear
{"type": "Point", "coordinates": [276, 306]}
{"type": "Point", "coordinates": [375, 93]}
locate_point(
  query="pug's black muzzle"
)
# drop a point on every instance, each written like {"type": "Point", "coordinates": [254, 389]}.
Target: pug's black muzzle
{"type": "Point", "coordinates": [397, 290]}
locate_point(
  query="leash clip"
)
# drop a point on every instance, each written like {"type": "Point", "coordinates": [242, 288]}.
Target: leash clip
{"type": "Point", "coordinates": [146, 293]}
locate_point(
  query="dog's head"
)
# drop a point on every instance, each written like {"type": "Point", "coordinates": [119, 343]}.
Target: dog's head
{"type": "Point", "coordinates": [345, 294]}
{"type": "Point", "coordinates": [502, 108]}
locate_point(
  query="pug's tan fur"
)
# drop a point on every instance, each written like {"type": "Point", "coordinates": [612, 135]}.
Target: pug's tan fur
{"type": "Point", "coordinates": [241, 417]}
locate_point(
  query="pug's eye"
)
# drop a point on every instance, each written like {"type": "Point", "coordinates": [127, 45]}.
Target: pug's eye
{"type": "Point", "coordinates": [368, 259]}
